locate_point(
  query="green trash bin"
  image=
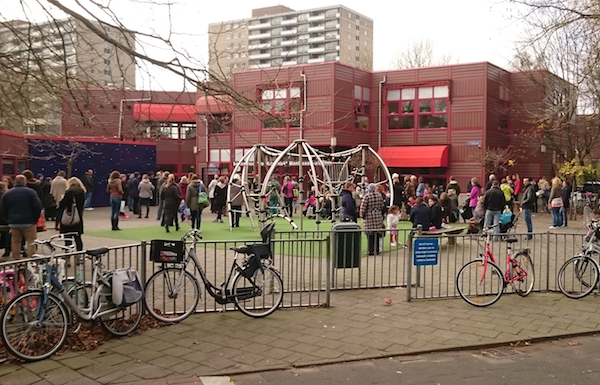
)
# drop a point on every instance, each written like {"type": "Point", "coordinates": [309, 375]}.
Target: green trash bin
{"type": "Point", "coordinates": [346, 245]}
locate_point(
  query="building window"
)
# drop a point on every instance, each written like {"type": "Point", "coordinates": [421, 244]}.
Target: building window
{"type": "Point", "coordinates": [239, 153]}
{"type": "Point", "coordinates": [219, 156]}
{"type": "Point", "coordinates": [219, 123]}
{"type": "Point", "coordinates": [422, 107]}
{"type": "Point", "coordinates": [8, 166]}
{"type": "Point", "coordinates": [281, 107]}
{"type": "Point", "coordinates": [503, 123]}
{"type": "Point", "coordinates": [362, 107]}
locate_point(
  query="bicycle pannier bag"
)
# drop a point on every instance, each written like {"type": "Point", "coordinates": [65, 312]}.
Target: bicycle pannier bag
{"type": "Point", "coordinates": [126, 287]}
{"type": "Point", "coordinates": [70, 218]}
{"type": "Point", "coordinates": [556, 203]}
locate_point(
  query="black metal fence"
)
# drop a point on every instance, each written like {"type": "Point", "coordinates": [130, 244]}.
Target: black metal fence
{"type": "Point", "coordinates": [313, 263]}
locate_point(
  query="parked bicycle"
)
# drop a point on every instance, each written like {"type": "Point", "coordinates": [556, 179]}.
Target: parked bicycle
{"type": "Point", "coordinates": [17, 279]}
{"type": "Point", "coordinates": [481, 283]}
{"type": "Point", "coordinates": [253, 285]}
{"type": "Point", "coordinates": [35, 323]}
{"type": "Point", "coordinates": [578, 277]}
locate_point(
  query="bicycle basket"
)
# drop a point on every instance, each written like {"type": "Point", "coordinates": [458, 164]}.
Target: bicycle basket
{"type": "Point", "coordinates": [164, 251]}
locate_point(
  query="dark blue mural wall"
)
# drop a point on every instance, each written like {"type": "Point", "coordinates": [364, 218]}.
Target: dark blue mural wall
{"type": "Point", "coordinates": [47, 158]}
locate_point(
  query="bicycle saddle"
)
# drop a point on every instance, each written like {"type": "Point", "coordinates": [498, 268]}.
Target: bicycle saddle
{"type": "Point", "coordinates": [96, 252]}
{"type": "Point", "coordinates": [511, 240]}
{"type": "Point", "coordinates": [241, 249]}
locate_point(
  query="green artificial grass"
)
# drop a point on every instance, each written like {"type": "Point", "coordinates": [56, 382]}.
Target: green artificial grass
{"type": "Point", "coordinates": [212, 231]}
{"type": "Point", "coordinates": [302, 243]}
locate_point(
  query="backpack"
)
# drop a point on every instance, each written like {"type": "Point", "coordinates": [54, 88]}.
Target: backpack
{"type": "Point", "coordinates": [126, 287]}
{"type": "Point", "coordinates": [202, 198]}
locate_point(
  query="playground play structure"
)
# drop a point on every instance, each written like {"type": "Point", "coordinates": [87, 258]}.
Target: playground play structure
{"type": "Point", "coordinates": [259, 186]}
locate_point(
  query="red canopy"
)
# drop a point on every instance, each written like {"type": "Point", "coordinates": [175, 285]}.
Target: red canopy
{"type": "Point", "coordinates": [415, 156]}
{"type": "Point", "coordinates": [164, 112]}
{"type": "Point", "coordinates": [214, 105]}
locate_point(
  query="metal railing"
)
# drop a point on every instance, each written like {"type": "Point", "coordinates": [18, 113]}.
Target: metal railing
{"type": "Point", "coordinates": [313, 263]}
{"type": "Point", "coordinates": [549, 251]}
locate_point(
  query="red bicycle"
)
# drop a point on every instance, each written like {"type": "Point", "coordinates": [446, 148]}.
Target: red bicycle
{"type": "Point", "coordinates": [481, 283]}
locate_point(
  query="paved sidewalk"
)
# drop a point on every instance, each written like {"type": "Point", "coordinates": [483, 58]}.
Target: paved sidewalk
{"type": "Point", "coordinates": [359, 326]}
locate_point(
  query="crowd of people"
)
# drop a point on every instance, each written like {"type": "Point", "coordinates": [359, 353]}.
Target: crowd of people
{"type": "Point", "coordinates": [432, 206]}
{"type": "Point", "coordinates": [28, 201]}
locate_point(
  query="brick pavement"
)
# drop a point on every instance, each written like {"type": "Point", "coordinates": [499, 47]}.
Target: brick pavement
{"type": "Point", "coordinates": [358, 326]}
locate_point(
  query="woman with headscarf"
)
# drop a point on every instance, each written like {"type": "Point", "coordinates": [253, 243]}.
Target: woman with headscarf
{"type": "Point", "coordinates": [74, 200]}
{"type": "Point", "coordinates": [371, 213]}
{"type": "Point", "coordinates": [170, 194]}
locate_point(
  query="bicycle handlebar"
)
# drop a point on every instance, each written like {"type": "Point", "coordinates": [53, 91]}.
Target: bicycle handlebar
{"type": "Point", "coordinates": [52, 245]}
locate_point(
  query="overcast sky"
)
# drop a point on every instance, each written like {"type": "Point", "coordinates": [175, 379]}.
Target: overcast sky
{"type": "Point", "coordinates": [468, 30]}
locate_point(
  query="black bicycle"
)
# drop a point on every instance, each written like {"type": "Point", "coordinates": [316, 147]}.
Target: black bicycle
{"type": "Point", "coordinates": [254, 286]}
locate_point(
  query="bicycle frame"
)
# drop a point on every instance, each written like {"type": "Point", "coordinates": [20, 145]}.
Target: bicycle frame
{"type": "Point", "coordinates": [89, 313]}
{"type": "Point", "coordinates": [509, 260]}
{"type": "Point", "coordinates": [221, 295]}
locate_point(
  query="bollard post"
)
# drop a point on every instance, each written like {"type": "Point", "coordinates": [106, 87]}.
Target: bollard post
{"type": "Point", "coordinates": [409, 266]}
{"type": "Point", "coordinates": [328, 262]}
{"type": "Point", "coordinates": [547, 261]}
{"type": "Point", "coordinates": [143, 266]}
{"type": "Point", "coordinates": [419, 234]}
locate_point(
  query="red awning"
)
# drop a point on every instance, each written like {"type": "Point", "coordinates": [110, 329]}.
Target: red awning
{"type": "Point", "coordinates": [415, 156]}
{"type": "Point", "coordinates": [164, 112]}
{"type": "Point", "coordinates": [214, 105]}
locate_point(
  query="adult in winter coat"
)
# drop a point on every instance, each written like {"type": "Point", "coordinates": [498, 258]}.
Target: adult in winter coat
{"type": "Point", "coordinates": [528, 205]}
{"type": "Point", "coordinates": [145, 189]}
{"type": "Point", "coordinates": [420, 214]}
{"type": "Point", "coordinates": [349, 212]}
{"type": "Point", "coordinates": [48, 202]}
{"type": "Point", "coordinates": [220, 198]}
{"type": "Point", "coordinates": [493, 202]}
{"type": "Point", "coordinates": [436, 212]}
{"type": "Point", "coordinates": [191, 201]}
{"type": "Point", "coordinates": [57, 190]}
{"type": "Point", "coordinates": [89, 184]}
{"type": "Point", "coordinates": [115, 190]}
{"type": "Point", "coordinates": [555, 192]}
{"type": "Point", "coordinates": [172, 199]}
{"type": "Point", "coordinates": [371, 213]}
{"type": "Point", "coordinates": [237, 201]}
{"type": "Point", "coordinates": [134, 192]}
{"type": "Point", "coordinates": [21, 207]}
{"type": "Point", "coordinates": [34, 184]}
{"type": "Point", "coordinates": [398, 188]}
{"type": "Point", "coordinates": [473, 197]}
{"type": "Point", "coordinates": [566, 197]}
{"type": "Point", "coordinates": [211, 192]}
{"type": "Point", "coordinates": [75, 194]}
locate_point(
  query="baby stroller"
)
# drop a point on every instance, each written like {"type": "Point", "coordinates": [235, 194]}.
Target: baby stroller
{"type": "Point", "coordinates": [508, 220]}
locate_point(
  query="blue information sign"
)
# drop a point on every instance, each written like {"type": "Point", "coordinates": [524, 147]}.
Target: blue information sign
{"type": "Point", "coordinates": [426, 252]}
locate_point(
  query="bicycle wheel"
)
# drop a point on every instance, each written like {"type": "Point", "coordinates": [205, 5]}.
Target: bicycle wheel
{"type": "Point", "coordinates": [123, 320]}
{"type": "Point", "coordinates": [578, 277]}
{"type": "Point", "coordinates": [523, 270]}
{"type": "Point", "coordinates": [478, 284]}
{"type": "Point", "coordinates": [24, 335]}
{"type": "Point", "coordinates": [260, 295]}
{"type": "Point", "coordinates": [172, 296]}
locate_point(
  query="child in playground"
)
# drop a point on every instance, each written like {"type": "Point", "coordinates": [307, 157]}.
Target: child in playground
{"type": "Point", "coordinates": [393, 218]}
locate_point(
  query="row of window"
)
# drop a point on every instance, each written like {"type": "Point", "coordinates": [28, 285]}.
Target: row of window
{"type": "Point", "coordinates": [406, 108]}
